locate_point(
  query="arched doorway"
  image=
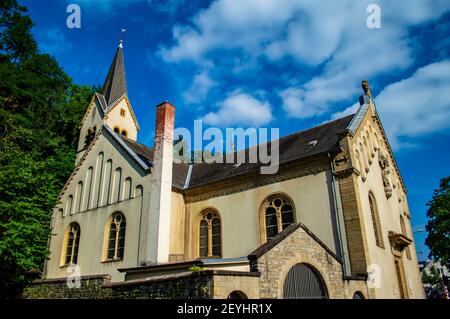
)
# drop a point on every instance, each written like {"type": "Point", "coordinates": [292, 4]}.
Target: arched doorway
{"type": "Point", "coordinates": [237, 294]}
{"type": "Point", "coordinates": [304, 282]}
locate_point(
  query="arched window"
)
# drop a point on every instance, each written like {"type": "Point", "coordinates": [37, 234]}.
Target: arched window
{"type": "Point", "coordinates": [124, 133]}
{"type": "Point", "coordinates": [277, 214]}
{"type": "Point", "coordinates": [117, 130]}
{"type": "Point", "coordinates": [304, 282]}
{"type": "Point", "coordinates": [376, 220]}
{"type": "Point", "coordinates": [403, 226]}
{"type": "Point", "coordinates": [116, 239]}
{"type": "Point", "coordinates": [210, 239]}
{"type": "Point", "coordinates": [72, 244]}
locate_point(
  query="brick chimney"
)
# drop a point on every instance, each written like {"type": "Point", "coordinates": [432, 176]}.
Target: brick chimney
{"type": "Point", "coordinates": [161, 187]}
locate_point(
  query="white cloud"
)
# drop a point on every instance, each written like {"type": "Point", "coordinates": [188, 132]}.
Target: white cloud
{"type": "Point", "coordinates": [330, 35]}
{"type": "Point", "coordinates": [198, 91]}
{"type": "Point", "coordinates": [240, 109]}
{"type": "Point", "coordinates": [418, 105]}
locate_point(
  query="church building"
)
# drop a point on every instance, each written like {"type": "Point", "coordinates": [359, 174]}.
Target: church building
{"type": "Point", "coordinates": [333, 222]}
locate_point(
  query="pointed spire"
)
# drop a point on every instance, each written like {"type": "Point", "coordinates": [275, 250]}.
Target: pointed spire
{"type": "Point", "coordinates": [115, 84]}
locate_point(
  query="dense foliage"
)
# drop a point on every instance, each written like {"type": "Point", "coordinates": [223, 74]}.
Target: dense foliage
{"type": "Point", "coordinates": [438, 225]}
{"type": "Point", "coordinates": [40, 111]}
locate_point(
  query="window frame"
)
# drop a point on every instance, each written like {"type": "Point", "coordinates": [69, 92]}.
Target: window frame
{"type": "Point", "coordinates": [72, 259]}
{"type": "Point", "coordinates": [118, 228]}
{"type": "Point", "coordinates": [209, 224]}
{"type": "Point", "coordinates": [269, 202]}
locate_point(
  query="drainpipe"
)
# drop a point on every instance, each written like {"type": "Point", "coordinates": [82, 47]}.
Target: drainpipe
{"type": "Point", "coordinates": [342, 236]}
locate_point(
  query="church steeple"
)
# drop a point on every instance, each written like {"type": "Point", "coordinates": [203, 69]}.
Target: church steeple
{"type": "Point", "coordinates": [115, 84]}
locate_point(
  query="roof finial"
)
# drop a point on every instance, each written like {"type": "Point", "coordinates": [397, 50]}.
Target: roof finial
{"type": "Point", "coordinates": [366, 88]}
{"type": "Point", "coordinates": [122, 30]}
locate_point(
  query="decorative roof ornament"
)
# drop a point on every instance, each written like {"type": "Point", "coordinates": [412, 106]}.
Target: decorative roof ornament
{"type": "Point", "coordinates": [366, 88]}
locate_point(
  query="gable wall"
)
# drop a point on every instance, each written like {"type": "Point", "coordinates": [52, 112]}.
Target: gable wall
{"type": "Point", "coordinates": [365, 144]}
{"type": "Point", "coordinates": [114, 119]}
{"type": "Point", "coordinates": [94, 216]}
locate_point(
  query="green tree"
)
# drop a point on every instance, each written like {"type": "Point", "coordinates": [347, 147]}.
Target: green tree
{"type": "Point", "coordinates": [438, 225]}
{"type": "Point", "coordinates": [40, 111]}
{"type": "Point", "coordinates": [431, 277]}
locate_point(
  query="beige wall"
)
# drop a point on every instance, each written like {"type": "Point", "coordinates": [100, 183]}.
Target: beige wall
{"type": "Point", "coordinates": [240, 214]}
{"type": "Point", "coordinates": [113, 118]}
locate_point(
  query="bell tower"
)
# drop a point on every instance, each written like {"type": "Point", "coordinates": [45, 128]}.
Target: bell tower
{"type": "Point", "coordinates": [109, 107]}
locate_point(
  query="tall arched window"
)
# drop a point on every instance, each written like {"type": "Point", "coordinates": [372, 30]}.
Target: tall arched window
{"type": "Point", "coordinates": [403, 226]}
{"type": "Point", "coordinates": [376, 220]}
{"type": "Point", "coordinates": [116, 239]}
{"type": "Point", "coordinates": [72, 244]}
{"type": "Point", "coordinates": [210, 239]}
{"type": "Point", "coordinates": [276, 214]}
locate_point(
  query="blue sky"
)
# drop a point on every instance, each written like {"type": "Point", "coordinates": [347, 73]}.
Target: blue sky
{"type": "Point", "coordinates": [286, 64]}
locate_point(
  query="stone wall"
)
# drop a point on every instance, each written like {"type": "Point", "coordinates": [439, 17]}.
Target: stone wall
{"type": "Point", "coordinates": [189, 285]}
{"type": "Point", "coordinates": [297, 246]}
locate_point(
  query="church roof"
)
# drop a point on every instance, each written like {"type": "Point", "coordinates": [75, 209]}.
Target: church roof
{"type": "Point", "coordinates": [145, 153]}
{"type": "Point", "coordinates": [115, 84]}
{"type": "Point", "coordinates": [293, 147]}
{"type": "Point", "coordinates": [302, 144]}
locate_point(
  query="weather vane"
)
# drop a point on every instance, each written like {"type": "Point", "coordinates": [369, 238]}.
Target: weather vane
{"type": "Point", "coordinates": [122, 34]}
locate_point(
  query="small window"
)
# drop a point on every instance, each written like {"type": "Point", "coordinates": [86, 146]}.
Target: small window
{"type": "Point", "coordinates": [116, 129]}
{"type": "Point", "coordinates": [124, 133]}
{"type": "Point", "coordinates": [116, 240]}
{"type": "Point", "coordinates": [210, 241]}
{"type": "Point", "coordinates": [122, 112]}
